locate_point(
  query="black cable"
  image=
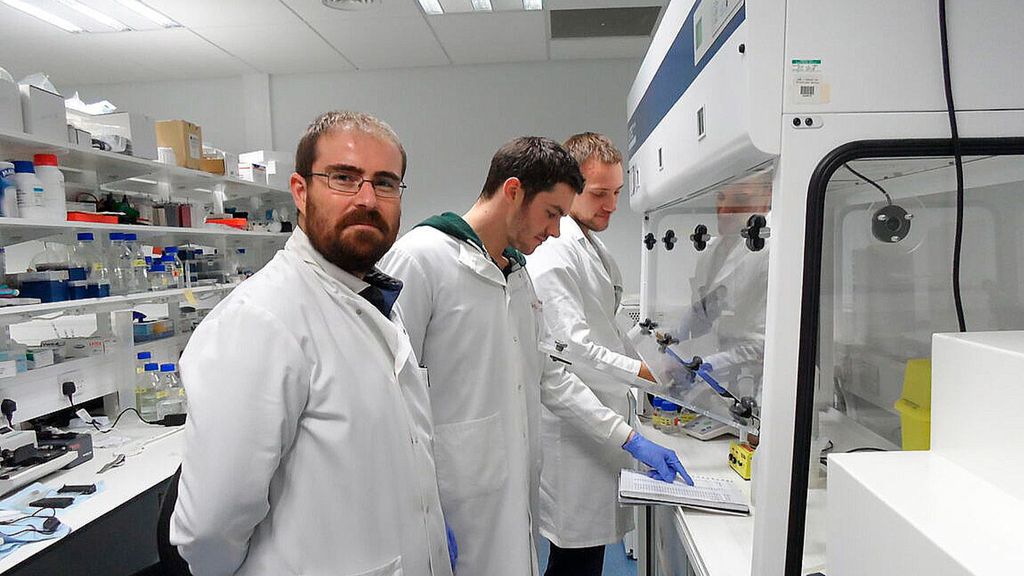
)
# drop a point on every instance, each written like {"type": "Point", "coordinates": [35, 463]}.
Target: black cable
{"type": "Point", "coordinates": [118, 418]}
{"type": "Point", "coordinates": [29, 516]}
{"type": "Point", "coordinates": [888, 198]}
{"type": "Point", "coordinates": [958, 162]}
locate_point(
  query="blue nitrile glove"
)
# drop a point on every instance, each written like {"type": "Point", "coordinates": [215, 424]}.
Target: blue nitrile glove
{"type": "Point", "coordinates": [453, 547]}
{"type": "Point", "coordinates": [664, 461]}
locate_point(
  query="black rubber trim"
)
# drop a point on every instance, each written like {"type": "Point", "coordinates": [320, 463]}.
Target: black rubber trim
{"type": "Point", "coordinates": [813, 235]}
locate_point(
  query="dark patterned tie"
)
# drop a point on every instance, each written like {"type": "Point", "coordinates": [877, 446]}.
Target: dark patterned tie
{"type": "Point", "coordinates": [374, 296]}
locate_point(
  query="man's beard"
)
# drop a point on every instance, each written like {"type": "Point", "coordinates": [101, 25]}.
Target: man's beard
{"type": "Point", "coordinates": [356, 254]}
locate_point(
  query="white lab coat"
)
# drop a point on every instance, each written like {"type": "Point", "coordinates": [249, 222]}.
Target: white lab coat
{"type": "Point", "coordinates": [580, 287]}
{"type": "Point", "coordinates": [308, 442]}
{"type": "Point", "coordinates": [477, 334]}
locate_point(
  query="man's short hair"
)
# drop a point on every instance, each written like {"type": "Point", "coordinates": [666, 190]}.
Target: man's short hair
{"type": "Point", "coordinates": [539, 164]}
{"type": "Point", "coordinates": [587, 145]}
{"type": "Point", "coordinates": [305, 154]}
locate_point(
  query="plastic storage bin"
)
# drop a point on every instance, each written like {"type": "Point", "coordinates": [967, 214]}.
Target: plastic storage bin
{"type": "Point", "coordinates": [51, 286]}
{"type": "Point", "coordinates": [915, 406]}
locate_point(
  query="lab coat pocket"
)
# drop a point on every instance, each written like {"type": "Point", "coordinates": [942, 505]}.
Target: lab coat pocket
{"type": "Point", "coordinates": [471, 457]}
{"type": "Point", "coordinates": [393, 568]}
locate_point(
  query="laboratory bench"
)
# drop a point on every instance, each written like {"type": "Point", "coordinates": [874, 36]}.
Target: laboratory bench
{"type": "Point", "coordinates": [114, 531]}
{"type": "Point", "coordinates": [684, 541]}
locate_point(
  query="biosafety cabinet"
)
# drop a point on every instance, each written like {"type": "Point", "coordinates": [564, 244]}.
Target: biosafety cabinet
{"type": "Point", "coordinates": [825, 185]}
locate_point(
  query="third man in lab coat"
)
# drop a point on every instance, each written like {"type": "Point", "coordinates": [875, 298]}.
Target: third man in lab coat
{"type": "Point", "coordinates": [474, 322]}
{"type": "Point", "coordinates": [581, 287]}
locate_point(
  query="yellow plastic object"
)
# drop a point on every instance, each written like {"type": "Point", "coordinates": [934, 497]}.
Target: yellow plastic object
{"type": "Point", "coordinates": [741, 456]}
{"type": "Point", "coordinates": [915, 406]}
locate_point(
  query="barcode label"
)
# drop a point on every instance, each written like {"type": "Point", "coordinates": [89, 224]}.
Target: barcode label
{"type": "Point", "coordinates": [807, 91]}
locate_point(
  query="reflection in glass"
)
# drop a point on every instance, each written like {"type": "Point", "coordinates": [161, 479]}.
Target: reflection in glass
{"type": "Point", "coordinates": [887, 288]}
{"type": "Point", "coordinates": [703, 334]}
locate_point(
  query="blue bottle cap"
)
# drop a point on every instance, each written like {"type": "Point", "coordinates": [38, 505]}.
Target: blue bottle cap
{"type": "Point", "coordinates": [24, 167]}
{"type": "Point", "coordinates": [158, 267]}
{"type": "Point", "coordinates": [131, 237]}
{"type": "Point", "coordinates": [167, 258]}
{"type": "Point", "coordinates": [167, 367]}
{"type": "Point", "coordinates": [144, 355]}
{"type": "Point", "coordinates": [116, 236]}
{"type": "Point", "coordinates": [150, 367]}
{"type": "Point", "coordinates": [86, 236]}
{"type": "Point", "coordinates": [171, 249]}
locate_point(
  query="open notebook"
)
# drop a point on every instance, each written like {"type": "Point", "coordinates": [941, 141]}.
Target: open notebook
{"type": "Point", "coordinates": [707, 493]}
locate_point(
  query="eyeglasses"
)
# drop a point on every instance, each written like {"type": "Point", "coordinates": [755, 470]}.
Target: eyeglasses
{"type": "Point", "coordinates": [349, 183]}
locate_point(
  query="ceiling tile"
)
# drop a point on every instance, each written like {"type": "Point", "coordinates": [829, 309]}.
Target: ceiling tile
{"type": "Point", "coordinates": [20, 26]}
{"type": "Point", "coordinates": [178, 52]}
{"type": "Point", "coordinates": [396, 42]}
{"type": "Point", "coordinates": [574, 4]}
{"type": "Point", "coordinates": [278, 49]}
{"type": "Point", "coordinates": [224, 13]}
{"type": "Point", "coordinates": [598, 48]}
{"type": "Point", "coordinates": [313, 11]}
{"type": "Point", "coordinates": [497, 37]}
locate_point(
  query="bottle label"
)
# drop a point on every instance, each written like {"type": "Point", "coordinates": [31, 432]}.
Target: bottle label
{"type": "Point", "coordinates": [161, 394]}
{"type": "Point", "coordinates": [139, 262]}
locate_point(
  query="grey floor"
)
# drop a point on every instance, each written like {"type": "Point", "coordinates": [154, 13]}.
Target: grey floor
{"type": "Point", "coordinates": [616, 563]}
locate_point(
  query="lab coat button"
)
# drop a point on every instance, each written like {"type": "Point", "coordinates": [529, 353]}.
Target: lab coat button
{"type": "Point", "coordinates": [515, 339]}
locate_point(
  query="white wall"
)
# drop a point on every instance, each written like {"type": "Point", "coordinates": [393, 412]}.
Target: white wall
{"type": "Point", "coordinates": [450, 119]}
{"type": "Point", "coordinates": [216, 105]}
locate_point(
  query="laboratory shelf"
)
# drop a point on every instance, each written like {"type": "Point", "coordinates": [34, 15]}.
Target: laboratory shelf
{"type": "Point", "coordinates": [21, 313]}
{"type": "Point", "coordinates": [14, 230]}
{"type": "Point", "coordinates": [129, 173]}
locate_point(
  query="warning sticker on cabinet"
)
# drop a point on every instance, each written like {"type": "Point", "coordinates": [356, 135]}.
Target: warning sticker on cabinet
{"type": "Point", "coordinates": [195, 146]}
{"type": "Point", "coordinates": [807, 84]}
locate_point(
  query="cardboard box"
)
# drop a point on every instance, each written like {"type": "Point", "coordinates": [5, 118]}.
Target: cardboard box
{"type": "Point", "coordinates": [212, 165]}
{"type": "Point", "coordinates": [43, 113]}
{"type": "Point", "coordinates": [138, 128]}
{"type": "Point", "coordinates": [10, 108]}
{"type": "Point", "coordinates": [185, 138]}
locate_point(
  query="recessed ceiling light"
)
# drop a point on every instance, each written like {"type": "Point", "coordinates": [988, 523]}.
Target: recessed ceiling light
{"type": "Point", "coordinates": [482, 5]}
{"type": "Point", "coordinates": [148, 13]}
{"type": "Point", "coordinates": [431, 6]}
{"type": "Point", "coordinates": [352, 5]}
{"type": "Point", "coordinates": [533, 4]}
{"type": "Point", "coordinates": [43, 15]}
{"type": "Point", "coordinates": [96, 15]}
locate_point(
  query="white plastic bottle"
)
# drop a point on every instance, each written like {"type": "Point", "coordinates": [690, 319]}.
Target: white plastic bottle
{"type": "Point", "coordinates": [8, 191]}
{"type": "Point", "coordinates": [54, 202]}
{"type": "Point", "coordinates": [147, 390]}
{"type": "Point", "coordinates": [29, 190]}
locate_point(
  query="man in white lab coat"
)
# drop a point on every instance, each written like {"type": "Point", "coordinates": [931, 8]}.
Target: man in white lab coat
{"type": "Point", "coordinates": [581, 288]}
{"type": "Point", "coordinates": [308, 442]}
{"type": "Point", "coordinates": [474, 321]}
{"type": "Point", "coordinates": [738, 278]}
